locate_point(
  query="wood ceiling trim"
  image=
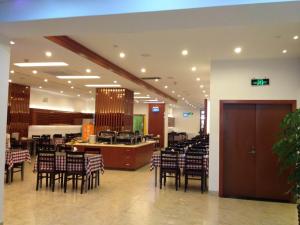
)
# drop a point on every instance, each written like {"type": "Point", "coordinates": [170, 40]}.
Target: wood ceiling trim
{"type": "Point", "coordinates": [87, 53]}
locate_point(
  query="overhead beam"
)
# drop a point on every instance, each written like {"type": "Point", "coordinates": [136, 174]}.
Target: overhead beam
{"type": "Point", "coordinates": [94, 57]}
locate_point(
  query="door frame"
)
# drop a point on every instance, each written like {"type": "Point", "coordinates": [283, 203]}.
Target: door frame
{"type": "Point", "coordinates": [293, 104]}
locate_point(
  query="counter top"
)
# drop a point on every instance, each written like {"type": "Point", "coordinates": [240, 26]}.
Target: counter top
{"type": "Point", "coordinates": [114, 145]}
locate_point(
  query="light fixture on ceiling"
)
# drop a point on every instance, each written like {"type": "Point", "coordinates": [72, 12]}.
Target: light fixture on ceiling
{"type": "Point", "coordinates": [141, 97]}
{"type": "Point", "coordinates": [182, 99]}
{"type": "Point", "coordinates": [34, 71]}
{"type": "Point", "coordinates": [41, 64]}
{"type": "Point", "coordinates": [166, 86]}
{"type": "Point", "coordinates": [103, 85]}
{"type": "Point", "coordinates": [78, 77]}
{"type": "Point", "coordinates": [12, 42]}
{"type": "Point", "coordinates": [115, 81]}
{"type": "Point", "coordinates": [12, 71]}
{"type": "Point", "coordinates": [198, 79]}
{"type": "Point", "coordinates": [69, 82]}
{"type": "Point", "coordinates": [284, 51]}
{"type": "Point", "coordinates": [136, 93]}
{"type": "Point", "coordinates": [156, 80]}
{"type": "Point", "coordinates": [46, 80]}
{"type": "Point", "coordinates": [148, 95]}
{"type": "Point", "coordinates": [90, 92]}
{"type": "Point", "coordinates": [238, 50]}
{"type": "Point", "coordinates": [178, 96]}
{"type": "Point", "coordinates": [201, 86]}
{"type": "Point", "coordinates": [173, 92]}
{"type": "Point", "coordinates": [72, 87]}
{"type": "Point", "coordinates": [48, 54]}
{"type": "Point", "coordinates": [9, 80]}
{"type": "Point", "coordinates": [61, 92]}
{"type": "Point", "coordinates": [78, 95]}
{"type": "Point", "coordinates": [122, 55]}
{"type": "Point", "coordinates": [143, 70]}
{"type": "Point", "coordinates": [296, 37]}
{"type": "Point", "coordinates": [40, 87]}
{"type": "Point", "coordinates": [203, 91]}
{"type": "Point", "coordinates": [194, 68]}
{"type": "Point", "coordinates": [184, 52]}
{"type": "Point", "coordinates": [88, 70]}
{"type": "Point", "coordinates": [152, 100]}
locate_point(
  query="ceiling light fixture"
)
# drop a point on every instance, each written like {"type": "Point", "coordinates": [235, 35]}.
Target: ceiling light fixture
{"type": "Point", "coordinates": [103, 85]}
{"type": "Point", "coordinates": [88, 70]}
{"type": "Point", "coordinates": [184, 52]}
{"type": "Point", "coordinates": [12, 71]}
{"type": "Point", "coordinates": [156, 80]}
{"type": "Point", "coordinates": [122, 55]}
{"type": "Point", "coordinates": [141, 97]}
{"type": "Point", "coordinates": [151, 100]}
{"type": "Point", "coordinates": [41, 64]}
{"type": "Point", "coordinates": [48, 53]}
{"type": "Point", "coordinates": [238, 50]}
{"type": "Point", "coordinates": [9, 80]}
{"type": "Point", "coordinates": [178, 96]}
{"type": "Point", "coordinates": [61, 92]}
{"type": "Point", "coordinates": [148, 95]}
{"type": "Point", "coordinates": [34, 71]}
{"type": "Point", "coordinates": [203, 91]}
{"type": "Point", "coordinates": [69, 82]}
{"type": "Point", "coordinates": [166, 86]}
{"type": "Point", "coordinates": [40, 87]}
{"type": "Point", "coordinates": [78, 95]}
{"type": "Point", "coordinates": [12, 42]}
{"type": "Point", "coordinates": [115, 81]}
{"type": "Point", "coordinates": [136, 93]}
{"type": "Point", "coordinates": [72, 87]}
{"type": "Point", "coordinates": [194, 68]}
{"type": "Point", "coordinates": [296, 37]}
{"type": "Point", "coordinates": [46, 80]}
{"type": "Point", "coordinates": [90, 92]}
{"type": "Point", "coordinates": [143, 70]}
{"type": "Point", "coordinates": [201, 86]}
{"type": "Point", "coordinates": [74, 77]}
{"type": "Point", "coordinates": [198, 79]}
{"type": "Point", "coordinates": [182, 99]}
{"type": "Point", "coordinates": [284, 51]}
{"type": "Point", "coordinates": [173, 92]}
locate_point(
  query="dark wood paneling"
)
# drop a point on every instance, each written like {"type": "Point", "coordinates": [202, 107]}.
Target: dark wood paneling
{"type": "Point", "coordinates": [156, 123]}
{"type": "Point", "coordinates": [114, 109]}
{"type": "Point", "coordinates": [87, 53]}
{"type": "Point", "coordinates": [18, 109]}
{"type": "Point", "coordinates": [52, 117]}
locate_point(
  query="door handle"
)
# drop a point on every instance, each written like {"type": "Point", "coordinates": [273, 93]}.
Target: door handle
{"type": "Point", "coordinates": [252, 151]}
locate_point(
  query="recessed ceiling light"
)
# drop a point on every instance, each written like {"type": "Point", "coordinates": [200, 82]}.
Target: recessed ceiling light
{"type": "Point", "coordinates": [184, 52]}
{"type": "Point", "coordinates": [182, 99]}
{"type": "Point", "coordinates": [45, 80]}
{"type": "Point", "coordinates": [74, 77]}
{"type": "Point", "coordinates": [72, 87]}
{"type": "Point", "coordinates": [122, 55]}
{"type": "Point", "coordinates": [12, 42]}
{"type": "Point", "coordinates": [173, 92]}
{"type": "Point", "coordinates": [194, 68]}
{"type": "Point", "coordinates": [61, 92]}
{"type": "Point", "coordinates": [198, 79]}
{"type": "Point", "coordinates": [147, 95]}
{"type": "Point", "coordinates": [284, 51]}
{"type": "Point", "coordinates": [166, 86]}
{"type": "Point", "coordinates": [9, 80]}
{"type": "Point", "coordinates": [69, 82]}
{"type": "Point", "coordinates": [201, 86]}
{"type": "Point", "coordinates": [103, 85]}
{"type": "Point", "coordinates": [41, 64]}
{"type": "Point", "coordinates": [115, 81]}
{"type": "Point", "coordinates": [40, 87]}
{"type": "Point", "coordinates": [48, 54]}
{"type": "Point", "coordinates": [136, 93]}
{"type": "Point", "coordinates": [151, 100]}
{"type": "Point", "coordinates": [203, 91]}
{"type": "Point", "coordinates": [143, 70]}
{"type": "Point", "coordinates": [90, 92]}
{"type": "Point", "coordinates": [88, 70]}
{"type": "Point", "coordinates": [34, 71]}
{"type": "Point", "coordinates": [142, 97]}
{"type": "Point", "coordinates": [12, 71]}
{"type": "Point", "coordinates": [156, 80]}
{"type": "Point", "coordinates": [178, 96]}
{"type": "Point", "coordinates": [296, 37]}
{"type": "Point", "coordinates": [78, 95]}
{"type": "Point", "coordinates": [238, 50]}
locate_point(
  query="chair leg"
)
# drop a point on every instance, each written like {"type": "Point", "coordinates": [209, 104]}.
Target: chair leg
{"type": "Point", "coordinates": [61, 180]}
{"type": "Point", "coordinates": [176, 181]}
{"type": "Point", "coordinates": [22, 171]}
{"type": "Point", "coordinates": [82, 184]}
{"type": "Point", "coordinates": [98, 177]}
{"type": "Point", "coordinates": [53, 182]}
{"type": "Point", "coordinates": [37, 182]}
{"type": "Point", "coordinates": [160, 179]}
{"type": "Point", "coordinates": [65, 183]}
{"type": "Point", "coordinates": [165, 178]}
{"type": "Point", "coordinates": [185, 182]}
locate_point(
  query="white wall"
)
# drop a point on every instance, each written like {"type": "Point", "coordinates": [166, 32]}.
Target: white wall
{"type": "Point", "coordinates": [4, 71]}
{"type": "Point", "coordinates": [230, 80]}
{"type": "Point", "coordinates": [190, 125]}
{"type": "Point", "coordinates": [44, 99]}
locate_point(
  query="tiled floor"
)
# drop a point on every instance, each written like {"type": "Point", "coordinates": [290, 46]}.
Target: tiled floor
{"type": "Point", "coordinates": [127, 198]}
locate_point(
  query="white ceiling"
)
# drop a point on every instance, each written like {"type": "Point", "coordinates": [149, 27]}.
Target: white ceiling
{"type": "Point", "coordinates": [213, 39]}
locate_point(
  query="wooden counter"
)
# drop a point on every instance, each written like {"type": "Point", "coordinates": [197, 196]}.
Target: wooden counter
{"type": "Point", "coordinates": [121, 156]}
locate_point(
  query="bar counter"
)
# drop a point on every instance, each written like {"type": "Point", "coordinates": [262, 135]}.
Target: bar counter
{"type": "Point", "coordinates": [121, 156]}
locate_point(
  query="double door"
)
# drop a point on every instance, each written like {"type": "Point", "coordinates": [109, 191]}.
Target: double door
{"type": "Point", "coordinates": [249, 167]}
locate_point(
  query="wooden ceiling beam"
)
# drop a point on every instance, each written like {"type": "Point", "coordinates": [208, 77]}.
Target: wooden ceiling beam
{"type": "Point", "coordinates": [94, 57]}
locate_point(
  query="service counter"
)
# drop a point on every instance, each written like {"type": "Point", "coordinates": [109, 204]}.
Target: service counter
{"type": "Point", "coordinates": [121, 156]}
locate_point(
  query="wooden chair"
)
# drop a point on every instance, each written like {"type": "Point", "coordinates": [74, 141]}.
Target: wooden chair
{"type": "Point", "coordinates": [75, 170]}
{"type": "Point", "coordinates": [169, 167]}
{"type": "Point", "coordinates": [46, 168]}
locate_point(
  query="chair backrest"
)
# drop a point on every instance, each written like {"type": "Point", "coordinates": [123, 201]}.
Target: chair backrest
{"type": "Point", "coordinates": [169, 160]}
{"type": "Point", "coordinates": [175, 149]}
{"type": "Point", "coordinates": [35, 137]}
{"type": "Point", "coordinates": [75, 162]}
{"type": "Point", "coordinates": [194, 160]}
{"type": "Point", "coordinates": [91, 150]}
{"type": "Point", "coordinates": [57, 136]}
{"type": "Point", "coordinates": [46, 161]}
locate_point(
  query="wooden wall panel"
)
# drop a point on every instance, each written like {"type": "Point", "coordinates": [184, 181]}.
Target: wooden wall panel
{"type": "Point", "coordinates": [156, 123]}
{"type": "Point", "coordinates": [54, 117]}
{"type": "Point", "coordinates": [114, 109]}
{"type": "Point", "coordinates": [18, 109]}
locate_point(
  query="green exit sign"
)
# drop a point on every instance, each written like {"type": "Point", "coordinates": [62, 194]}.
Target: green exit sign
{"type": "Point", "coordinates": [260, 82]}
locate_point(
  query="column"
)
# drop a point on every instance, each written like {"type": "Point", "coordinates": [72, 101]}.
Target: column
{"type": "Point", "coordinates": [4, 72]}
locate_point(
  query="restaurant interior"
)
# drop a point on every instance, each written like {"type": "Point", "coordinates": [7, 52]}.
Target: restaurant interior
{"type": "Point", "coordinates": [146, 114]}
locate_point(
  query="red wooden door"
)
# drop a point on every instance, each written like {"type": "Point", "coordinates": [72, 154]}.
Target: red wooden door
{"type": "Point", "coordinates": [239, 138]}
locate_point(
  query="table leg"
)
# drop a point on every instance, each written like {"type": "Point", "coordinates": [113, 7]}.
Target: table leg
{"type": "Point", "coordinates": [155, 168]}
